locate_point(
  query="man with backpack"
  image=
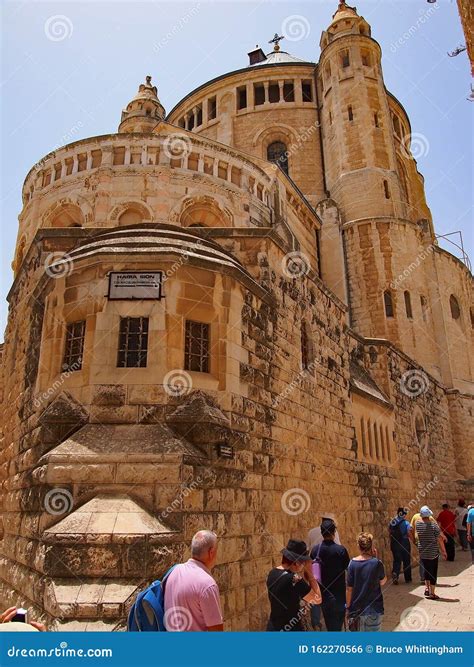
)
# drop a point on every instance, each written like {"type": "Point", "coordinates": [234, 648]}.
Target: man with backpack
{"type": "Point", "coordinates": [186, 598]}
{"type": "Point", "coordinates": [191, 599]}
{"type": "Point", "coordinates": [399, 529]}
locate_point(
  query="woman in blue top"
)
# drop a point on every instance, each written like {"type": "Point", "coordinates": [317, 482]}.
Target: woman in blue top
{"type": "Point", "coordinates": [365, 576]}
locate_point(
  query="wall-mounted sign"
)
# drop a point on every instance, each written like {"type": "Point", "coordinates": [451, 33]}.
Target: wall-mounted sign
{"type": "Point", "coordinates": [135, 285]}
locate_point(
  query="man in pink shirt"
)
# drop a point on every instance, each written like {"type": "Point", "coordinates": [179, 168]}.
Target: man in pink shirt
{"type": "Point", "coordinates": [191, 593]}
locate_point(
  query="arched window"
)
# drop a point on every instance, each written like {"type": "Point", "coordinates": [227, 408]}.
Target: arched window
{"type": "Point", "coordinates": [278, 154]}
{"type": "Point", "coordinates": [455, 309]}
{"type": "Point", "coordinates": [408, 309]}
{"type": "Point", "coordinates": [388, 303]}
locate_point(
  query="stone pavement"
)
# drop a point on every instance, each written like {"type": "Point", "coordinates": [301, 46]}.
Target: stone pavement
{"type": "Point", "coordinates": [406, 609]}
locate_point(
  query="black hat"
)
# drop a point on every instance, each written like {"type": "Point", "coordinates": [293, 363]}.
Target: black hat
{"type": "Point", "coordinates": [296, 550]}
{"type": "Point", "coordinates": [328, 527]}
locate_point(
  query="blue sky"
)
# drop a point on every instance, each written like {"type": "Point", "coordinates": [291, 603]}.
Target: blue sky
{"type": "Point", "coordinates": [68, 68]}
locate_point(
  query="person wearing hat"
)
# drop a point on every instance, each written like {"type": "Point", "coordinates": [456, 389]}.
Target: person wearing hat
{"type": "Point", "coordinates": [333, 559]}
{"type": "Point", "coordinates": [430, 543]}
{"type": "Point", "coordinates": [417, 517]}
{"type": "Point", "coordinates": [288, 584]}
{"type": "Point", "coordinates": [398, 529]}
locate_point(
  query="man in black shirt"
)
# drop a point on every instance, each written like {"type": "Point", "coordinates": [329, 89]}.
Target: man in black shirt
{"type": "Point", "coordinates": [334, 560]}
{"type": "Point", "coordinates": [288, 584]}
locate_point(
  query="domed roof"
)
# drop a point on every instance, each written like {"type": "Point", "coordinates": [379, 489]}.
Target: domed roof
{"type": "Point", "coordinates": [277, 57]}
{"type": "Point", "coordinates": [344, 12]}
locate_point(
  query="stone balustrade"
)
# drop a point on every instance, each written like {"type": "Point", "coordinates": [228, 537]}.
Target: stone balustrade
{"type": "Point", "coordinates": [176, 151]}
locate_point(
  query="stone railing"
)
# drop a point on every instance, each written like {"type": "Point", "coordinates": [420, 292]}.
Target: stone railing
{"type": "Point", "coordinates": [178, 151]}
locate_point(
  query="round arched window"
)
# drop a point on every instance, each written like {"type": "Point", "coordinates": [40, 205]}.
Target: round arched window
{"type": "Point", "coordinates": [455, 309]}
{"type": "Point", "coordinates": [278, 154]}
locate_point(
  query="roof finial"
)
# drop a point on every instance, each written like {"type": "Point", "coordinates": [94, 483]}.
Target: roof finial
{"type": "Point", "coordinates": [148, 80]}
{"type": "Point", "coordinates": [276, 41]}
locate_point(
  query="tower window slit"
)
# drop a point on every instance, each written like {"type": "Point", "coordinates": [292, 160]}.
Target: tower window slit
{"type": "Point", "coordinates": [408, 308]}
{"type": "Point", "coordinates": [388, 303]}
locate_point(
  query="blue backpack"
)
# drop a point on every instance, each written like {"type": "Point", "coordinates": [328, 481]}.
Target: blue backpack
{"type": "Point", "coordinates": [147, 612]}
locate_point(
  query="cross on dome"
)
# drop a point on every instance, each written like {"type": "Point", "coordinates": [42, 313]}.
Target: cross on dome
{"type": "Point", "coordinates": [276, 41]}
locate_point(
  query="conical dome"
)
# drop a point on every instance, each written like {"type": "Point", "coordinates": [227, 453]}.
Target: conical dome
{"type": "Point", "coordinates": [344, 12]}
{"type": "Point", "coordinates": [144, 111]}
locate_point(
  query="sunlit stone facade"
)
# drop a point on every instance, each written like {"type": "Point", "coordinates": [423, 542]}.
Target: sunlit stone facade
{"type": "Point", "coordinates": [293, 342]}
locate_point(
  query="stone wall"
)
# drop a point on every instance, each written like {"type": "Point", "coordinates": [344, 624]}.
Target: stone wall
{"type": "Point", "coordinates": [466, 11]}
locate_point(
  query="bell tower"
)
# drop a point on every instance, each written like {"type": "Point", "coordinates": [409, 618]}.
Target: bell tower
{"type": "Point", "coordinates": [361, 167]}
{"type": "Point", "coordinates": [144, 112]}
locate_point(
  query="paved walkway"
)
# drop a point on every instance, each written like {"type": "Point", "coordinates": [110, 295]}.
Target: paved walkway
{"type": "Point", "coordinates": [407, 609]}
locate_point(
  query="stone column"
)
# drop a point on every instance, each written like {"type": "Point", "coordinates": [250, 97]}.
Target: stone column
{"type": "Point", "coordinates": [281, 93]}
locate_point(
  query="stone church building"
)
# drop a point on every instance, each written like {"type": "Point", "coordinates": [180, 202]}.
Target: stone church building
{"type": "Point", "coordinates": [233, 316]}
